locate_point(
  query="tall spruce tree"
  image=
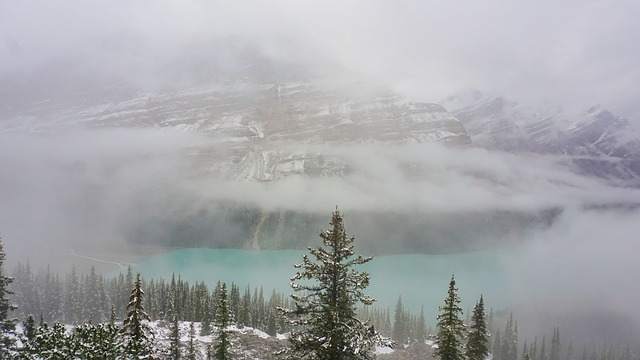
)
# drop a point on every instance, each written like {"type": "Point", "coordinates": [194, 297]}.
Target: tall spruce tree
{"type": "Point", "coordinates": [205, 327]}
{"type": "Point", "coordinates": [451, 329]}
{"type": "Point", "coordinates": [138, 334]}
{"type": "Point", "coordinates": [509, 350]}
{"type": "Point", "coordinates": [554, 353]}
{"type": "Point", "coordinates": [421, 331]}
{"type": "Point", "coordinates": [29, 326]}
{"type": "Point", "coordinates": [478, 338]}
{"type": "Point", "coordinates": [328, 292]}
{"type": "Point", "coordinates": [192, 349]}
{"type": "Point", "coordinates": [7, 324]}
{"type": "Point", "coordinates": [174, 338]}
{"type": "Point", "coordinates": [400, 323]}
{"type": "Point", "coordinates": [222, 321]}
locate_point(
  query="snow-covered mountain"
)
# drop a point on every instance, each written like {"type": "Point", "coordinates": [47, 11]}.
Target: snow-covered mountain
{"type": "Point", "coordinates": [595, 141]}
{"type": "Point", "coordinates": [257, 122]}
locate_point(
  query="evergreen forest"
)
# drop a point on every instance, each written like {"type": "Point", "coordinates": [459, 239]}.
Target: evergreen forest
{"type": "Point", "coordinates": [48, 315]}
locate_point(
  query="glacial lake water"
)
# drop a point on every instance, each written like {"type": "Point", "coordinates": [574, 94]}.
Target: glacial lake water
{"type": "Point", "coordinates": [421, 280]}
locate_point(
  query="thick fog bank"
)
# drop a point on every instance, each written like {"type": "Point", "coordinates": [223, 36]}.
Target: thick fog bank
{"type": "Point", "coordinates": [94, 187]}
{"type": "Point", "coordinates": [579, 275]}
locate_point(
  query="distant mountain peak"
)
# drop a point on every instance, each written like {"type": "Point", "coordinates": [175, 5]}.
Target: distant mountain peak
{"type": "Point", "coordinates": [603, 144]}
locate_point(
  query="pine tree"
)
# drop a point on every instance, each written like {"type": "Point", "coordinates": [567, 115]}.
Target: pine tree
{"type": "Point", "coordinates": [25, 290]}
{"type": "Point", "coordinates": [478, 338]}
{"type": "Point", "coordinates": [451, 330]}
{"type": "Point", "coordinates": [235, 302]}
{"type": "Point", "coordinates": [174, 338]}
{"type": "Point", "coordinates": [99, 341]}
{"type": "Point", "coordinates": [222, 321]}
{"type": "Point", "coordinates": [191, 354]}
{"type": "Point", "coordinates": [328, 290]}
{"type": "Point", "coordinates": [7, 324]}
{"type": "Point", "coordinates": [496, 350]}
{"type": "Point", "coordinates": [50, 343]}
{"type": "Point", "coordinates": [205, 327]}
{"type": "Point", "coordinates": [421, 331]}
{"type": "Point", "coordinates": [30, 328]}
{"type": "Point", "coordinates": [533, 352]}
{"type": "Point", "coordinates": [122, 290]}
{"type": "Point", "coordinates": [244, 312]}
{"type": "Point", "coordinates": [399, 323]}
{"type": "Point", "coordinates": [138, 334]}
{"type": "Point", "coordinates": [52, 297]}
{"type": "Point", "coordinates": [73, 297]}
{"type": "Point", "coordinates": [569, 353]}
{"type": "Point", "coordinates": [509, 349]}
{"type": "Point", "coordinates": [272, 325]}
{"type": "Point", "coordinates": [94, 297]}
{"type": "Point", "coordinates": [554, 353]}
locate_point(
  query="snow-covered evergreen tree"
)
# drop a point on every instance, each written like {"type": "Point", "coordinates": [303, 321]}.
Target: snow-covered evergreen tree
{"type": "Point", "coordinates": [192, 349]}
{"type": "Point", "coordinates": [29, 327]}
{"type": "Point", "coordinates": [49, 343]}
{"type": "Point", "coordinates": [174, 338]}
{"type": "Point", "coordinates": [421, 327]}
{"type": "Point", "coordinates": [451, 329]}
{"type": "Point", "coordinates": [7, 323]}
{"type": "Point", "coordinates": [554, 353]}
{"type": "Point", "coordinates": [328, 289]}
{"type": "Point", "coordinates": [222, 321]}
{"type": "Point", "coordinates": [509, 350]}
{"type": "Point", "coordinates": [73, 297]}
{"type": "Point", "coordinates": [52, 297]}
{"type": "Point", "coordinates": [94, 297]}
{"type": "Point", "coordinates": [99, 341]}
{"type": "Point", "coordinates": [478, 338]}
{"type": "Point", "coordinates": [399, 323]}
{"type": "Point", "coordinates": [138, 335]}
{"type": "Point", "coordinates": [205, 327]}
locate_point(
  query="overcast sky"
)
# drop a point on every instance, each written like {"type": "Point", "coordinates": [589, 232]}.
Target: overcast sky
{"type": "Point", "coordinates": [579, 51]}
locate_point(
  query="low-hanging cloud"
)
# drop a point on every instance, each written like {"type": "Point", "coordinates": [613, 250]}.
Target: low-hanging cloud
{"type": "Point", "coordinates": [430, 178]}
{"type": "Point", "coordinates": [578, 275]}
{"type": "Point", "coordinates": [574, 52]}
{"type": "Point", "coordinates": [87, 185]}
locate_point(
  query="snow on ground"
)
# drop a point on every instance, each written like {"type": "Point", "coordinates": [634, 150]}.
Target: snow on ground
{"type": "Point", "coordinates": [383, 350]}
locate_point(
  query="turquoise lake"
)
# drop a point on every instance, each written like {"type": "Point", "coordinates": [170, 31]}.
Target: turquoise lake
{"type": "Point", "coordinates": [421, 280]}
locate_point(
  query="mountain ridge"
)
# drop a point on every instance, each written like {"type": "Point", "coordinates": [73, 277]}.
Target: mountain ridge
{"type": "Point", "coordinates": [597, 142]}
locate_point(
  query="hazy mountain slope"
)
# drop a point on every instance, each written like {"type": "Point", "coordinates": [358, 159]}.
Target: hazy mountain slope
{"type": "Point", "coordinates": [270, 148]}
{"type": "Point", "coordinates": [256, 122]}
{"type": "Point", "coordinates": [595, 141]}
